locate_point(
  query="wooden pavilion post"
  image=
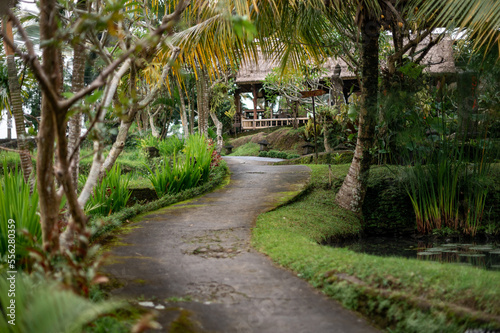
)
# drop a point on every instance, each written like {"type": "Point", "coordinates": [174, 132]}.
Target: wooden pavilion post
{"type": "Point", "coordinates": [254, 92]}
{"type": "Point", "coordinates": [238, 115]}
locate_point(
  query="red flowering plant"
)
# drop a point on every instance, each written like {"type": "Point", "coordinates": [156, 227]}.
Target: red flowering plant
{"type": "Point", "coordinates": [216, 157]}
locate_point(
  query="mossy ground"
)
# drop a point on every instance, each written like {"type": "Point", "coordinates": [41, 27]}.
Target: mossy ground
{"type": "Point", "coordinates": [402, 295]}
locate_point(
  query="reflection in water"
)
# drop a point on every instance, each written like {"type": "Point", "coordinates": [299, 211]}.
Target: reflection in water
{"type": "Point", "coordinates": [479, 254]}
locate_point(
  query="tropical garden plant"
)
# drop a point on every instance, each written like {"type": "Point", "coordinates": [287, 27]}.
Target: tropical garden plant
{"type": "Point", "coordinates": [183, 171]}
{"type": "Point", "coordinates": [18, 212]}
{"type": "Point", "coordinates": [111, 194]}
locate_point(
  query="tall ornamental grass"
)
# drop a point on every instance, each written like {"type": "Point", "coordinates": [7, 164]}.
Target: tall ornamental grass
{"type": "Point", "coordinates": [448, 184]}
{"type": "Point", "coordinates": [18, 205]}
{"type": "Point", "coordinates": [111, 194]}
{"type": "Point", "coordinates": [185, 171]}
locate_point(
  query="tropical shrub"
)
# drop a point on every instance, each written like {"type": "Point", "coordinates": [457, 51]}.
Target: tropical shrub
{"type": "Point", "coordinates": [263, 153]}
{"type": "Point", "coordinates": [18, 211]}
{"type": "Point", "coordinates": [186, 171]}
{"type": "Point", "coordinates": [272, 153]}
{"type": "Point", "coordinates": [282, 154]}
{"type": "Point", "coordinates": [111, 194]}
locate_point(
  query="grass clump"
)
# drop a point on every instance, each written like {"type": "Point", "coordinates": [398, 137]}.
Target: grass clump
{"type": "Point", "coordinates": [248, 149]}
{"type": "Point", "coordinates": [403, 295]}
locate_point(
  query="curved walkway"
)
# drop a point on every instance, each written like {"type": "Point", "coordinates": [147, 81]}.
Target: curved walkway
{"type": "Point", "coordinates": [193, 262]}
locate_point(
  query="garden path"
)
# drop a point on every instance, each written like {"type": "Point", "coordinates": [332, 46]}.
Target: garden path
{"type": "Point", "coordinates": [193, 262]}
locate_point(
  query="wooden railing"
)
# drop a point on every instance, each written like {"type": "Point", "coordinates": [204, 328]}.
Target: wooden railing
{"type": "Point", "coordinates": [247, 124]}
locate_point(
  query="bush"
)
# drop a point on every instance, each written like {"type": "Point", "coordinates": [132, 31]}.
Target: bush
{"type": "Point", "coordinates": [272, 153]}
{"type": "Point", "coordinates": [263, 154]}
{"type": "Point", "coordinates": [291, 156]}
{"type": "Point", "coordinates": [282, 155]}
{"type": "Point", "coordinates": [111, 194]}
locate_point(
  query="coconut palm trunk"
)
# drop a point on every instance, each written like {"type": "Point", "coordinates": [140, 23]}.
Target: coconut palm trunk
{"type": "Point", "coordinates": [17, 108]}
{"type": "Point", "coordinates": [353, 190]}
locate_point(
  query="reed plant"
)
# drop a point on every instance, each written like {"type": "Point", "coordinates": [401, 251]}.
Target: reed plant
{"type": "Point", "coordinates": [19, 205]}
{"type": "Point", "coordinates": [447, 184]}
{"type": "Point", "coordinates": [111, 194]}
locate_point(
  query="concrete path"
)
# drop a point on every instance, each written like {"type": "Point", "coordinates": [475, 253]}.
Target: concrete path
{"type": "Point", "coordinates": [194, 262]}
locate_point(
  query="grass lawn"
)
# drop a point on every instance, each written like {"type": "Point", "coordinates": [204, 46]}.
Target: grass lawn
{"type": "Point", "coordinates": [398, 294]}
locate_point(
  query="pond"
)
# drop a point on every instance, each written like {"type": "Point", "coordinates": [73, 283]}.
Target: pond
{"type": "Point", "coordinates": [481, 254]}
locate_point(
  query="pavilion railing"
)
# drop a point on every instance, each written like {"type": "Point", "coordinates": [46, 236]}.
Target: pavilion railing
{"type": "Point", "coordinates": [247, 124]}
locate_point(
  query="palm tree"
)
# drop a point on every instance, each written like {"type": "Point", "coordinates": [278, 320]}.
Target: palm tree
{"type": "Point", "coordinates": [480, 18]}
{"type": "Point", "coordinates": [16, 104]}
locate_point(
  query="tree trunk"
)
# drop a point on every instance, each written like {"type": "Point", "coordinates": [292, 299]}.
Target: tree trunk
{"type": "Point", "coordinates": [75, 122]}
{"type": "Point", "coordinates": [191, 116]}
{"type": "Point", "coordinates": [185, 128]}
{"type": "Point", "coordinates": [48, 198]}
{"type": "Point", "coordinates": [125, 124]}
{"type": "Point", "coordinates": [351, 194]}
{"type": "Point", "coordinates": [218, 126]}
{"type": "Point", "coordinates": [203, 102]}
{"type": "Point", "coordinates": [17, 108]}
{"type": "Point", "coordinates": [154, 131]}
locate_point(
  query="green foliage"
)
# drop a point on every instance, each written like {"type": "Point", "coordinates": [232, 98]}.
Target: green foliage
{"type": "Point", "coordinates": [183, 172]}
{"type": "Point", "coordinates": [387, 208]}
{"type": "Point", "coordinates": [448, 183]}
{"type": "Point", "coordinates": [248, 149]}
{"type": "Point", "coordinates": [273, 153]}
{"type": "Point", "coordinates": [170, 146]}
{"type": "Point", "coordinates": [111, 194]}
{"type": "Point", "coordinates": [263, 154]}
{"type": "Point", "coordinates": [43, 306]}
{"type": "Point", "coordinates": [18, 205]}
{"type": "Point", "coordinates": [282, 154]}
{"type": "Point", "coordinates": [292, 156]}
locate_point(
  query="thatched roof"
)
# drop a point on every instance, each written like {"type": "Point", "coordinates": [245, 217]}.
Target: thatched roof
{"type": "Point", "coordinates": [438, 60]}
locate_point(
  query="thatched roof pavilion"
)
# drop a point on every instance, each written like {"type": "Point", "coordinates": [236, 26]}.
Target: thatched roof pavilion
{"type": "Point", "coordinates": [438, 61]}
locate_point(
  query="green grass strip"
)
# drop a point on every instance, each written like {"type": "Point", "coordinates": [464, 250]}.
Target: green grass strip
{"type": "Point", "coordinates": [397, 294]}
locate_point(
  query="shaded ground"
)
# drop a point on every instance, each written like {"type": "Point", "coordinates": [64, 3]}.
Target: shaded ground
{"type": "Point", "coordinates": [193, 262]}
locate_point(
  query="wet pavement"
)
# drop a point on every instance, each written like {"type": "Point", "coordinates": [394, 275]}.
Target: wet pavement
{"type": "Point", "coordinates": [193, 262]}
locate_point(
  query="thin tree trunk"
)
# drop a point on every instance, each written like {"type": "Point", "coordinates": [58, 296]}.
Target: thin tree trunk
{"type": "Point", "coordinates": [191, 116]}
{"type": "Point", "coordinates": [17, 108]}
{"type": "Point", "coordinates": [218, 126]}
{"type": "Point", "coordinates": [128, 120]}
{"type": "Point", "coordinates": [125, 124]}
{"type": "Point", "coordinates": [152, 117]}
{"type": "Point", "coordinates": [184, 121]}
{"type": "Point", "coordinates": [351, 194]}
{"type": "Point", "coordinates": [75, 122]}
